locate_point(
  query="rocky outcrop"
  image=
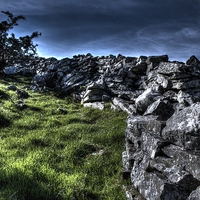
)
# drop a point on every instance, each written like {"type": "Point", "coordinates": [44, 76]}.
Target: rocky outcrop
{"type": "Point", "coordinates": [162, 99]}
{"type": "Point", "coordinates": [163, 157]}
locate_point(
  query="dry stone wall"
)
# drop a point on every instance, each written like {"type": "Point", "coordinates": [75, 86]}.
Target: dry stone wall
{"type": "Point", "coordinates": [162, 98]}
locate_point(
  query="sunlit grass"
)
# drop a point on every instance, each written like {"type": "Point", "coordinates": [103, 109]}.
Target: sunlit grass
{"type": "Point", "coordinates": [55, 148]}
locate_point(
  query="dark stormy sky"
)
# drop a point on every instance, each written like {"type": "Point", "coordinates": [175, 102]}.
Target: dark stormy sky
{"type": "Point", "coordinates": [103, 27]}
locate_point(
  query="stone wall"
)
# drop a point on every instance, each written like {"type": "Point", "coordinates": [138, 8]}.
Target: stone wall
{"type": "Point", "coordinates": [162, 98]}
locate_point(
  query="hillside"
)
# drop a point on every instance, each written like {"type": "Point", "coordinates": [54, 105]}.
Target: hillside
{"type": "Point", "coordinates": [161, 98]}
{"type": "Point", "coordinates": [54, 148]}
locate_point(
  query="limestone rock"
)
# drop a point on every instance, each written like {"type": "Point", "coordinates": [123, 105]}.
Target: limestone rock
{"type": "Point", "coordinates": [172, 69]}
{"type": "Point", "coordinates": [162, 99]}
{"type": "Point", "coordinates": [164, 81]}
{"type": "Point", "coordinates": [95, 105]}
{"type": "Point", "coordinates": [12, 70]}
{"type": "Point", "coordinates": [195, 195]}
{"type": "Point", "coordinates": [140, 66]}
{"type": "Point", "coordinates": [146, 98]}
{"type": "Point", "coordinates": [193, 60]}
{"type": "Point", "coordinates": [124, 105]}
{"type": "Point", "coordinates": [160, 108]}
{"type": "Point", "coordinates": [183, 128]}
{"type": "Point", "coordinates": [96, 92]}
{"type": "Point", "coordinates": [188, 160]}
{"type": "Point", "coordinates": [157, 59]}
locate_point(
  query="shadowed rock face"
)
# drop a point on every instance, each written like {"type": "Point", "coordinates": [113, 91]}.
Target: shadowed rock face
{"type": "Point", "coordinates": [162, 155]}
{"type": "Point", "coordinates": [165, 160]}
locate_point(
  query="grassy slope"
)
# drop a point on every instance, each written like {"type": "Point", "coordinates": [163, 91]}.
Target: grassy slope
{"type": "Point", "coordinates": [49, 149]}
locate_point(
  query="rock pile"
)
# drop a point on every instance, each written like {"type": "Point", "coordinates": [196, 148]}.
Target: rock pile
{"type": "Point", "coordinates": [162, 99]}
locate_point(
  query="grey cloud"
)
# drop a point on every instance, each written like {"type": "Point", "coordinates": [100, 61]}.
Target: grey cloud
{"type": "Point", "coordinates": [129, 27]}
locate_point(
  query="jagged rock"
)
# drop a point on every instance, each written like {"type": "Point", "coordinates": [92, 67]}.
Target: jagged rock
{"type": "Point", "coordinates": [96, 92]}
{"type": "Point", "coordinates": [188, 97]}
{"type": "Point", "coordinates": [188, 160]}
{"type": "Point", "coordinates": [53, 68]}
{"type": "Point", "coordinates": [170, 69]}
{"type": "Point", "coordinates": [157, 171]}
{"type": "Point", "coordinates": [140, 66]}
{"type": "Point", "coordinates": [159, 188]}
{"type": "Point", "coordinates": [153, 62]}
{"type": "Point", "coordinates": [124, 105]}
{"type": "Point", "coordinates": [193, 61]}
{"type": "Point", "coordinates": [12, 70]}
{"type": "Point", "coordinates": [160, 108]}
{"type": "Point", "coordinates": [146, 98]}
{"type": "Point", "coordinates": [175, 174]}
{"type": "Point", "coordinates": [131, 194]}
{"type": "Point", "coordinates": [188, 84]}
{"type": "Point", "coordinates": [195, 195]}
{"type": "Point", "coordinates": [137, 125]}
{"type": "Point", "coordinates": [162, 155]}
{"type": "Point", "coordinates": [164, 81]}
{"type": "Point", "coordinates": [71, 79]}
{"type": "Point", "coordinates": [44, 80]}
{"type": "Point", "coordinates": [127, 159]}
{"type": "Point", "coordinates": [157, 59]}
{"type": "Point", "coordinates": [183, 128]}
{"type": "Point", "coordinates": [94, 95]}
{"type": "Point", "coordinates": [27, 71]}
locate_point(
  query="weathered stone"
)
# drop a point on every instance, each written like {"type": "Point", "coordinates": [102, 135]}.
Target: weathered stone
{"type": "Point", "coordinates": [178, 154]}
{"type": "Point", "coordinates": [12, 70]}
{"type": "Point", "coordinates": [193, 61]}
{"type": "Point", "coordinates": [195, 195]}
{"type": "Point", "coordinates": [146, 98]}
{"type": "Point", "coordinates": [39, 80]}
{"type": "Point", "coordinates": [188, 160]}
{"type": "Point", "coordinates": [27, 71]}
{"type": "Point", "coordinates": [21, 94]}
{"type": "Point", "coordinates": [124, 105]}
{"type": "Point", "coordinates": [53, 68]}
{"type": "Point", "coordinates": [96, 105]}
{"type": "Point", "coordinates": [169, 68]}
{"type": "Point", "coordinates": [179, 85]}
{"type": "Point", "coordinates": [164, 81]}
{"type": "Point", "coordinates": [183, 128]}
{"type": "Point", "coordinates": [137, 125]}
{"type": "Point", "coordinates": [189, 96]}
{"type": "Point", "coordinates": [95, 95]}
{"type": "Point", "coordinates": [162, 158]}
{"type": "Point", "coordinates": [152, 184]}
{"type": "Point", "coordinates": [149, 141]}
{"type": "Point", "coordinates": [96, 92]}
{"type": "Point", "coordinates": [160, 108]}
{"type": "Point", "coordinates": [157, 59]}
{"type": "Point", "coordinates": [127, 160]}
{"type": "Point", "coordinates": [174, 173]}
{"type": "Point", "coordinates": [12, 87]}
{"type": "Point", "coordinates": [140, 66]}
{"type": "Point", "coordinates": [132, 194]}
{"type": "Point", "coordinates": [71, 78]}
{"type": "Point", "coordinates": [69, 88]}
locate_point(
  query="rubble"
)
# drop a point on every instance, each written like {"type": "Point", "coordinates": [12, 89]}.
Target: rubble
{"type": "Point", "coordinates": [162, 99]}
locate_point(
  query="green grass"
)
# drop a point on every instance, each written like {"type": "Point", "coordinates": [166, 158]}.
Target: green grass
{"type": "Point", "coordinates": [55, 149]}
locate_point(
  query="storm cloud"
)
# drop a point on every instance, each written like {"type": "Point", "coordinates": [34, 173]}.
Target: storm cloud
{"type": "Point", "coordinates": [128, 27]}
